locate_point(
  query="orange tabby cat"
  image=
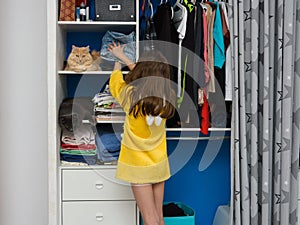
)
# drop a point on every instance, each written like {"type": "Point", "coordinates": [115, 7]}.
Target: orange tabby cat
{"type": "Point", "coordinates": [80, 59]}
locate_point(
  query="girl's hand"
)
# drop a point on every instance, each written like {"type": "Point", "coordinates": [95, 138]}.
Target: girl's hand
{"type": "Point", "coordinates": [116, 49]}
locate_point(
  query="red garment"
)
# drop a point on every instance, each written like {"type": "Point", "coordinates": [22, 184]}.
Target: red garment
{"type": "Point", "coordinates": [205, 116]}
{"type": "Point", "coordinates": [78, 147]}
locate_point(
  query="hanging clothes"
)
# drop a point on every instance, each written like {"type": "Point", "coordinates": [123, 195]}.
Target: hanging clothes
{"type": "Point", "coordinates": [228, 70]}
{"type": "Point", "coordinates": [199, 46]}
{"type": "Point", "coordinates": [201, 31]}
{"type": "Point", "coordinates": [166, 31]}
{"type": "Point", "coordinates": [204, 123]}
{"type": "Point", "coordinates": [163, 23]}
{"type": "Point", "coordinates": [219, 47]}
{"type": "Point", "coordinates": [189, 76]}
{"type": "Point", "coordinates": [210, 17]}
{"type": "Point", "coordinates": [205, 37]}
{"type": "Point", "coordinates": [179, 21]}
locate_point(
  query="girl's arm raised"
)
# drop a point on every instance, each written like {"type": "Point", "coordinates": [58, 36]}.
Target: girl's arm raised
{"type": "Point", "coordinates": [118, 51]}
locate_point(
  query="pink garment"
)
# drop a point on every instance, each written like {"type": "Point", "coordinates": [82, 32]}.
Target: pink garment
{"type": "Point", "coordinates": [205, 54]}
{"type": "Point", "coordinates": [210, 18]}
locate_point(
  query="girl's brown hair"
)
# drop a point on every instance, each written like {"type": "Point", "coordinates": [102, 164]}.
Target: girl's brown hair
{"type": "Point", "coordinates": [149, 88]}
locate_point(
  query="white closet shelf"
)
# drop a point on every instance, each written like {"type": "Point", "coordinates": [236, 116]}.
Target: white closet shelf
{"type": "Point", "coordinates": [64, 72]}
{"type": "Point", "coordinates": [187, 129]}
{"type": "Point", "coordinates": [98, 26]}
{"type": "Point", "coordinates": [88, 167]}
{"type": "Point", "coordinates": [99, 121]}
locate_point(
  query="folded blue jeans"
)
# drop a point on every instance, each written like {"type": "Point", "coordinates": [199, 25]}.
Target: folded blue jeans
{"type": "Point", "coordinates": [109, 141]}
{"type": "Point", "coordinates": [113, 36]}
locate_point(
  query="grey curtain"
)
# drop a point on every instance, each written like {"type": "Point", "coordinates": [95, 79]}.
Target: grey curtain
{"type": "Point", "coordinates": [265, 36]}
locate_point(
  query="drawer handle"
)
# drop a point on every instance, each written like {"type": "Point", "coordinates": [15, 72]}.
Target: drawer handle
{"type": "Point", "coordinates": [115, 7]}
{"type": "Point", "coordinates": [99, 217]}
{"type": "Point", "coordinates": [99, 185]}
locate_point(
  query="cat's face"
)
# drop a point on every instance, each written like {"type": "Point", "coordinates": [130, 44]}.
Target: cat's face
{"type": "Point", "coordinates": [80, 55]}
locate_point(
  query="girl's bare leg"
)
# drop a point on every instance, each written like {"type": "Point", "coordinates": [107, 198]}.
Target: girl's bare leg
{"type": "Point", "coordinates": [158, 190]}
{"type": "Point", "coordinates": [149, 200]}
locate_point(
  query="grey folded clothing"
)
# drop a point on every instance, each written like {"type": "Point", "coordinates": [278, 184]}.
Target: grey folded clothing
{"type": "Point", "coordinates": [73, 111]}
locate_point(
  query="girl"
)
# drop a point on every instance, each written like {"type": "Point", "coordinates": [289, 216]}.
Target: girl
{"type": "Point", "coordinates": [148, 100]}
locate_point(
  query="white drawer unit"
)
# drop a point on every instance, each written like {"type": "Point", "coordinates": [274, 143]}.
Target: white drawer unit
{"type": "Point", "coordinates": [92, 196]}
{"type": "Point", "coordinates": [93, 184]}
{"type": "Point", "coordinates": [99, 212]}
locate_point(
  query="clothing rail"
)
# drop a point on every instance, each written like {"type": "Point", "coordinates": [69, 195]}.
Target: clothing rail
{"type": "Point", "coordinates": [213, 138]}
{"type": "Point", "coordinates": [197, 129]}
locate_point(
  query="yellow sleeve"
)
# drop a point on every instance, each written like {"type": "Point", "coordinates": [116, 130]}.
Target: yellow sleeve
{"type": "Point", "coordinates": [116, 87]}
{"type": "Point", "coordinates": [116, 84]}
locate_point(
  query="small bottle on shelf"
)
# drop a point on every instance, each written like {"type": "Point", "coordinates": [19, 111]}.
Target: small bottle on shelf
{"type": "Point", "coordinates": [82, 12]}
{"type": "Point", "coordinates": [77, 13]}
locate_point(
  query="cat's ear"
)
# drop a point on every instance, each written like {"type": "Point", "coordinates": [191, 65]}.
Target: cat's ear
{"type": "Point", "coordinates": [87, 48]}
{"type": "Point", "coordinates": [73, 47]}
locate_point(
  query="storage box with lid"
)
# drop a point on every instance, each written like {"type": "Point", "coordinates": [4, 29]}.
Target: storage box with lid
{"type": "Point", "coordinates": [115, 10]}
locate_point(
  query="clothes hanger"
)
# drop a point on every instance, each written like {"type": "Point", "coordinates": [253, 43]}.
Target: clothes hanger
{"type": "Point", "coordinates": [178, 7]}
{"type": "Point", "coordinates": [161, 2]}
{"type": "Point", "coordinates": [151, 7]}
{"type": "Point", "coordinates": [179, 4]}
{"type": "Point", "coordinates": [172, 11]}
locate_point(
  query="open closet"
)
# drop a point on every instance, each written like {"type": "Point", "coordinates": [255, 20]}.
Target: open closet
{"type": "Point", "coordinates": [194, 36]}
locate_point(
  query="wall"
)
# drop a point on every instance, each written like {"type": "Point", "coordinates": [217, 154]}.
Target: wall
{"type": "Point", "coordinates": [23, 114]}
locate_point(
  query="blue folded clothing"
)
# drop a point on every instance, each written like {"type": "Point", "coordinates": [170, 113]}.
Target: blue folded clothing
{"type": "Point", "coordinates": [106, 153]}
{"type": "Point", "coordinates": [113, 36]}
{"type": "Point", "coordinates": [91, 160]}
{"type": "Point", "coordinates": [108, 141]}
{"type": "Point", "coordinates": [106, 157]}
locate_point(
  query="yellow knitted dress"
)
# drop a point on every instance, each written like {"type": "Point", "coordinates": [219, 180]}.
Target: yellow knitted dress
{"type": "Point", "coordinates": [143, 156]}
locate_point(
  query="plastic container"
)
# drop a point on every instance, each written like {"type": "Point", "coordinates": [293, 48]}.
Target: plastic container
{"type": "Point", "coordinates": [189, 219]}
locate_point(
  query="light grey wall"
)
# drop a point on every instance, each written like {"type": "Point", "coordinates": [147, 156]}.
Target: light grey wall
{"type": "Point", "coordinates": [23, 113]}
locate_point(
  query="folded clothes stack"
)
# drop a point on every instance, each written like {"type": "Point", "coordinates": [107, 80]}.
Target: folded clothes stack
{"type": "Point", "coordinates": [79, 145]}
{"type": "Point", "coordinates": [108, 144]}
{"type": "Point", "coordinates": [106, 106]}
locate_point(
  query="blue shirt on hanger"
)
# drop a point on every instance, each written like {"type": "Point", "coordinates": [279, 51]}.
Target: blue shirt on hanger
{"type": "Point", "coordinates": [219, 47]}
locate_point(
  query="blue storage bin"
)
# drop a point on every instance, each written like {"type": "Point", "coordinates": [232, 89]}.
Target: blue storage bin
{"type": "Point", "coordinates": [189, 219]}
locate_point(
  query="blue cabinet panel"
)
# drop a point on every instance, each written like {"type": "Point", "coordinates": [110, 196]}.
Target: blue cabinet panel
{"type": "Point", "coordinates": [203, 190]}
